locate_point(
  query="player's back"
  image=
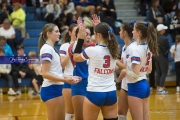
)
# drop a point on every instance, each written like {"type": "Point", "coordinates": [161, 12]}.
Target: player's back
{"type": "Point", "coordinates": [101, 69]}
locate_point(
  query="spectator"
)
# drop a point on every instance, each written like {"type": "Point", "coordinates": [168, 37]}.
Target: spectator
{"type": "Point", "coordinates": [98, 6]}
{"type": "Point", "coordinates": [7, 7]}
{"type": "Point", "coordinates": [156, 13]}
{"type": "Point", "coordinates": [2, 14]}
{"type": "Point", "coordinates": [5, 70]}
{"type": "Point", "coordinates": [5, 46]}
{"type": "Point", "coordinates": [69, 10]}
{"type": "Point", "coordinates": [176, 55]}
{"type": "Point", "coordinates": [53, 11]}
{"type": "Point", "coordinates": [9, 33]}
{"type": "Point", "coordinates": [22, 2]}
{"type": "Point", "coordinates": [84, 6]}
{"type": "Point", "coordinates": [108, 14]}
{"type": "Point", "coordinates": [41, 9]}
{"type": "Point", "coordinates": [161, 61]}
{"type": "Point", "coordinates": [22, 71]}
{"type": "Point", "coordinates": [17, 17]}
{"type": "Point", "coordinates": [36, 66]}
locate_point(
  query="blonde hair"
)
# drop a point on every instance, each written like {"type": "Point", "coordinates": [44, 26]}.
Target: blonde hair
{"type": "Point", "coordinates": [32, 53]}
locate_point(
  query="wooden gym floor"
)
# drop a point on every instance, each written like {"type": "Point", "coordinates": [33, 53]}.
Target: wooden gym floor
{"type": "Point", "coordinates": [28, 107]}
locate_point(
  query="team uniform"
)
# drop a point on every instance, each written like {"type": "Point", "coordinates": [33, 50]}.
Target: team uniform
{"type": "Point", "coordinates": [125, 54]}
{"type": "Point", "coordinates": [49, 88]}
{"type": "Point", "coordinates": [68, 70]}
{"type": "Point", "coordinates": [139, 55]}
{"type": "Point", "coordinates": [101, 89]}
{"type": "Point", "coordinates": [81, 70]}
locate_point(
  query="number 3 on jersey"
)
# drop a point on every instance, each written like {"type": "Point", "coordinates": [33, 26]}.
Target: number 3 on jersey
{"type": "Point", "coordinates": [107, 61]}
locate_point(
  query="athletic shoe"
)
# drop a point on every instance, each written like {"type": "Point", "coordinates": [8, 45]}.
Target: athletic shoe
{"type": "Point", "coordinates": [162, 92]}
{"type": "Point", "coordinates": [11, 92]}
{"type": "Point", "coordinates": [18, 92]}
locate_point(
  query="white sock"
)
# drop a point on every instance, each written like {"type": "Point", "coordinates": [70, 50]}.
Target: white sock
{"type": "Point", "coordinates": [69, 116]}
{"type": "Point", "coordinates": [10, 89]}
{"type": "Point", "coordinates": [122, 117]}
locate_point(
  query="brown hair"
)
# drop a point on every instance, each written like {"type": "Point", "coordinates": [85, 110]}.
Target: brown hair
{"type": "Point", "coordinates": [2, 50]}
{"type": "Point", "coordinates": [2, 38]}
{"type": "Point", "coordinates": [109, 37]}
{"type": "Point", "coordinates": [43, 36]}
{"type": "Point", "coordinates": [177, 41]}
{"type": "Point", "coordinates": [67, 37]}
{"type": "Point", "coordinates": [32, 53]}
{"type": "Point", "coordinates": [149, 34]}
{"type": "Point", "coordinates": [128, 28]}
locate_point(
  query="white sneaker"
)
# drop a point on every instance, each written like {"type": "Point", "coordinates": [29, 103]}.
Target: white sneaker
{"type": "Point", "coordinates": [18, 92]}
{"type": "Point", "coordinates": [30, 91]}
{"type": "Point", "coordinates": [11, 92]}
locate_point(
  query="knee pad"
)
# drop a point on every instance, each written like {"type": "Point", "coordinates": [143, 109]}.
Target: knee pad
{"type": "Point", "coordinates": [110, 118]}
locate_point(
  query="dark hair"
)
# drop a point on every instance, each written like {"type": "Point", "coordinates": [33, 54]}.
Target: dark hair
{"type": "Point", "coordinates": [109, 37]}
{"type": "Point", "coordinates": [43, 36]}
{"type": "Point", "coordinates": [2, 38]}
{"type": "Point", "coordinates": [149, 34]}
{"type": "Point", "coordinates": [67, 37]}
{"type": "Point", "coordinates": [128, 28]}
{"type": "Point", "coordinates": [2, 50]}
{"type": "Point", "coordinates": [177, 41]}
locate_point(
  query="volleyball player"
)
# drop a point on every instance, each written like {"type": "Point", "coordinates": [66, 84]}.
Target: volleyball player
{"type": "Point", "coordinates": [69, 39]}
{"type": "Point", "coordinates": [51, 91]}
{"type": "Point", "coordinates": [138, 64]}
{"type": "Point", "coordinates": [101, 89]}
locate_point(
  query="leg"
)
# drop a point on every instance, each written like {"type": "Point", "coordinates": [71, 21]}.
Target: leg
{"type": "Point", "coordinates": [135, 107]}
{"type": "Point", "coordinates": [77, 102]}
{"type": "Point", "coordinates": [79, 10]}
{"type": "Point", "coordinates": [36, 87]}
{"type": "Point", "coordinates": [164, 70]}
{"type": "Point", "coordinates": [38, 13]}
{"type": "Point", "coordinates": [158, 72]}
{"type": "Point", "coordinates": [152, 74]}
{"type": "Point", "coordinates": [9, 78]}
{"type": "Point", "coordinates": [68, 103]}
{"type": "Point", "coordinates": [145, 109]}
{"type": "Point", "coordinates": [92, 112]}
{"type": "Point", "coordinates": [109, 112]}
{"type": "Point", "coordinates": [16, 75]}
{"type": "Point", "coordinates": [54, 108]}
{"type": "Point", "coordinates": [122, 105]}
{"type": "Point", "coordinates": [91, 9]}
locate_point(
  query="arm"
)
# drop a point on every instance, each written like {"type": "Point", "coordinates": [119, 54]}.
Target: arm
{"type": "Point", "coordinates": [149, 68]}
{"type": "Point", "coordinates": [71, 8]}
{"type": "Point", "coordinates": [120, 64]}
{"type": "Point", "coordinates": [64, 60]}
{"type": "Point", "coordinates": [22, 16]}
{"type": "Point", "coordinates": [58, 11]}
{"type": "Point", "coordinates": [30, 66]}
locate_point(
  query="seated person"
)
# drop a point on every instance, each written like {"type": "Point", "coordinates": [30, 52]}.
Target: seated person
{"type": "Point", "coordinates": [84, 6]}
{"type": "Point", "coordinates": [2, 14]}
{"type": "Point", "coordinates": [37, 82]}
{"type": "Point", "coordinates": [17, 17]}
{"type": "Point", "coordinates": [5, 70]}
{"type": "Point", "coordinates": [21, 71]}
{"type": "Point", "coordinates": [9, 33]}
{"type": "Point", "coordinates": [5, 46]}
{"type": "Point", "coordinates": [53, 11]}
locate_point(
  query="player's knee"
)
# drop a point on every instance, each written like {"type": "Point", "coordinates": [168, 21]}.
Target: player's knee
{"type": "Point", "coordinates": [110, 118]}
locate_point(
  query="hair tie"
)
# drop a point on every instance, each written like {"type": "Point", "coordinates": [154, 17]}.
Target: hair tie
{"type": "Point", "coordinates": [132, 22]}
{"type": "Point", "coordinates": [110, 31]}
{"type": "Point", "coordinates": [146, 23]}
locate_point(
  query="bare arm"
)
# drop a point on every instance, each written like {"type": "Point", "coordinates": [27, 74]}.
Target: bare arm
{"type": "Point", "coordinates": [172, 55]}
{"type": "Point", "coordinates": [120, 64]}
{"type": "Point", "coordinates": [64, 60]}
{"type": "Point", "coordinates": [77, 57]}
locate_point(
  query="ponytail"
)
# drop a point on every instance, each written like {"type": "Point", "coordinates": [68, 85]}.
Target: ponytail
{"type": "Point", "coordinates": [41, 42]}
{"type": "Point", "coordinates": [152, 39]}
{"type": "Point", "coordinates": [113, 46]}
{"type": "Point", "coordinates": [177, 41]}
{"type": "Point", "coordinates": [67, 37]}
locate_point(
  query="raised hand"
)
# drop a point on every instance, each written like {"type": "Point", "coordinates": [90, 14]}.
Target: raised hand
{"type": "Point", "coordinates": [79, 21]}
{"type": "Point", "coordinates": [95, 20]}
{"type": "Point", "coordinates": [82, 31]}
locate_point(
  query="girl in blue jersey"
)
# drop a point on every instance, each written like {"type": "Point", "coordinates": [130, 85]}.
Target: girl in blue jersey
{"type": "Point", "coordinates": [51, 91]}
{"type": "Point", "coordinates": [138, 65]}
{"type": "Point", "coordinates": [81, 70]}
{"type": "Point", "coordinates": [101, 89]}
{"type": "Point", "coordinates": [69, 39]}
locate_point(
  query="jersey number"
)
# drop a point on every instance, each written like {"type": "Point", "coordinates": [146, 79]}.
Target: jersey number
{"type": "Point", "coordinates": [144, 69]}
{"type": "Point", "coordinates": [107, 61]}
